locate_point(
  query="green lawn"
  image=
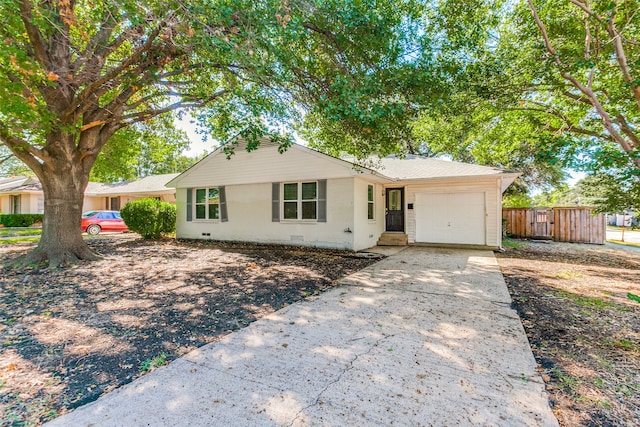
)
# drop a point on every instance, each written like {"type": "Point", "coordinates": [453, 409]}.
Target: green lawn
{"type": "Point", "coordinates": [14, 240]}
{"type": "Point", "coordinates": [20, 231]}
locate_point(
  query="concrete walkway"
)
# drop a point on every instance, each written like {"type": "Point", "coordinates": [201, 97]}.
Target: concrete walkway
{"type": "Point", "coordinates": [424, 337]}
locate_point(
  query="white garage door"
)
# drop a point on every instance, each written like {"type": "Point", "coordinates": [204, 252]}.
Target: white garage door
{"type": "Point", "coordinates": [450, 218]}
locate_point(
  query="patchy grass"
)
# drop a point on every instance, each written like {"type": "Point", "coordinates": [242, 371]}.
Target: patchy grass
{"type": "Point", "coordinates": [154, 362]}
{"type": "Point", "coordinates": [511, 243]}
{"type": "Point", "coordinates": [20, 231]}
{"type": "Point", "coordinates": [583, 326]}
{"type": "Point", "coordinates": [16, 240]}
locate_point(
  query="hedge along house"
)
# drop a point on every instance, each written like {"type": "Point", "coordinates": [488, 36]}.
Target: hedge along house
{"type": "Point", "coordinates": [304, 197]}
{"type": "Point", "coordinates": [24, 194]}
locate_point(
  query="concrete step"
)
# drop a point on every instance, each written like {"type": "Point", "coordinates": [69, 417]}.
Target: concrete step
{"type": "Point", "coordinates": [393, 239]}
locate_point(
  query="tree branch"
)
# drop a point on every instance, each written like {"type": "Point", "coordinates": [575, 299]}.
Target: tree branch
{"type": "Point", "coordinates": [90, 51]}
{"type": "Point", "coordinates": [625, 144]}
{"type": "Point", "coordinates": [621, 58]}
{"type": "Point", "coordinates": [37, 42]}
{"type": "Point", "coordinates": [114, 72]}
{"type": "Point", "coordinates": [23, 150]}
{"type": "Point", "coordinates": [5, 158]}
{"type": "Point", "coordinates": [148, 114]}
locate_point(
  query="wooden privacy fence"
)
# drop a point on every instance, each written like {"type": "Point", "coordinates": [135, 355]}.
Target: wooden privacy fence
{"type": "Point", "coordinates": [573, 224]}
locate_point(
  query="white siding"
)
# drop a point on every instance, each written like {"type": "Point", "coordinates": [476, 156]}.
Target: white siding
{"type": "Point", "coordinates": [493, 198]}
{"type": "Point", "coordinates": [264, 165]}
{"type": "Point", "coordinates": [366, 232]}
{"type": "Point", "coordinates": [249, 218]}
{"type": "Point", "coordinates": [30, 202]}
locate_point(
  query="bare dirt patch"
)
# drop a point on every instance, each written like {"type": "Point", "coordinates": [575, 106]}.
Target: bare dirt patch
{"type": "Point", "coordinates": [72, 334]}
{"type": "Point", "coordinates": [583, 327]}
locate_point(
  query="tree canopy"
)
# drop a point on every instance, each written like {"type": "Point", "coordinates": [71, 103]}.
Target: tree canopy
{"type": "Point", "coordinates": [536, 85]}
{"type": "Point", "coordinates": [75, 73]}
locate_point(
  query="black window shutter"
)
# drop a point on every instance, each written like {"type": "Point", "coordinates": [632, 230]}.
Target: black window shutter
{"type": "Point", "coordinates": [275, 202]}
{"type": "Point", "coordinates": [223, 205]}
{"type": "Point", "coordinates": [189, 204]}
{"type": "Point", "coordinates": [322, 200]}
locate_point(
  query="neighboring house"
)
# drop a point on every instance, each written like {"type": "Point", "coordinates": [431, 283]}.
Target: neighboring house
{"type": "Point", "coordinates": [308, 198]}
{"type": "Point", "coordinates": [24, 194]}
{"type": "Point", "coordinates": [21, 195]}
{"type": "Point", "coordinates": [114, 196]}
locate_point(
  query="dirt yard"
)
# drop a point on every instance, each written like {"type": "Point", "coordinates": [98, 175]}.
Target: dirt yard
{"type": "Point", "coordinates": [580, 306]}
{"type": "Point", "coordinates": [70, 335]}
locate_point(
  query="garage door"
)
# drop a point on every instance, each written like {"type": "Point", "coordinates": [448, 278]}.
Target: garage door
{"type": "Point", "coordinates": [450, 218]}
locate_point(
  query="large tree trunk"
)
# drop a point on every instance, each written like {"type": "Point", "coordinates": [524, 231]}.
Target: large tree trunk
{"type": "Point", "coordinates": [61, 242]}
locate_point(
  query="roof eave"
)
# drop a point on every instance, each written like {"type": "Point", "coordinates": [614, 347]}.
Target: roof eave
{"type": "Point", "coordinates": [458, 177]}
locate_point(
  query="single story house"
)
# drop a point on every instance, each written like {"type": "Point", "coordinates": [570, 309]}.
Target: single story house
{"type": "Point", "coordinates": [305, 197]}
{"type": "Point", "coordinates": [24, 194]}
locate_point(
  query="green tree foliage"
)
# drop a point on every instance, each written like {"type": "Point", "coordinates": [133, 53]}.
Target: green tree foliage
{"type": "Point", "coordinates": [151, 218]}
{"type": "Point", "coordinates": [137, 151]}
{"type": "Point", "coordinates": [517, 201]}
{"type": "Point", "coordinates": [537, 86]}
{"type": "Point", "coordinates": [588, 74]}
{"type": "Point", "coordinates": [570, 70]}
{"type": "Point", "coordinates": [74, 73]}
{"type": "Point", "coordinates": [608, 193]}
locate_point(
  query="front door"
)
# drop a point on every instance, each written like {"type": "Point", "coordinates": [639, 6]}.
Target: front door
{"type": "Point", "coordinates": [114, 204]}
{"type": "Point", "coordinates": [395, 209]}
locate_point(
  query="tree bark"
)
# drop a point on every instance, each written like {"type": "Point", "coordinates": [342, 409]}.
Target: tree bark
{"type": "Point", "coordinates": [61, 242]}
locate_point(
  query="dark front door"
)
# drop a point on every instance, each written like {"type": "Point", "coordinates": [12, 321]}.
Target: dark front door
{"type": "Point", "coordinates": [395, 209]}
{"type": "Point", "coordinates": [115, 204]}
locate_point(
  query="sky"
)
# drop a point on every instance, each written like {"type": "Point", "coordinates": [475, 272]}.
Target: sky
{"type": "Point", "coordinates": [197, 146]}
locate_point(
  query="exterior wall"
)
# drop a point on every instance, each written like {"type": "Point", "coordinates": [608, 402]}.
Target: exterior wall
{"type": "Point", "coordinates": [92, 203]}
{"type": "Point", "coordinates": [367, 232]}
{"type": "Point", "coordinates": [493, 204]}
{"type": "Point", "coordinates": [4, 205]}
{"type": "Point", "coordinates": [33, 202]}
{"type": "Point", "coordinates": [249, 217]}
{"type": "Point", "coordinates": [28, 203]}
{"type": "Point", "coordinates": [264, 165]}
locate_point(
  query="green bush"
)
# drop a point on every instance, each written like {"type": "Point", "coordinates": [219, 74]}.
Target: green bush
{"type": "Point", "coordinates": [149, 217]}
{"type": "Point", "coordinates": [20, 220]}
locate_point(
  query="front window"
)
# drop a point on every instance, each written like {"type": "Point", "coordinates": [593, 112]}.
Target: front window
{"type": "Point", "coordinates": [370, 203]}
{"type": "Point", "coordinates": [207, 203]}
{"type": "Point", "coordinates": [15, 204]}
{"type": "Point", "coordinates": [300, 201]}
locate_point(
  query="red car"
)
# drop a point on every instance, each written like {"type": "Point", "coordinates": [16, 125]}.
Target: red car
{"type": "Point", "coordinates": [96, 221]}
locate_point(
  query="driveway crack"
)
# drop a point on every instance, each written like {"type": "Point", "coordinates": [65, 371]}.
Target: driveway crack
{"type": "Point", "coordinates": [347, 368]}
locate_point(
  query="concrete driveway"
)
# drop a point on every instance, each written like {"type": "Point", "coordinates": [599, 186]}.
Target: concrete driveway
{"type": "Point", "coordinates": [424, 337]}
{"type": "Point", "coordinates": [632, 236]}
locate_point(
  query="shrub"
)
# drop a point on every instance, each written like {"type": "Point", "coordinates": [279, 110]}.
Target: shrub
{"type": "Point", "coordinates": [20, 220]}
{"type": "Point", "coordinates": [149, 217]}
